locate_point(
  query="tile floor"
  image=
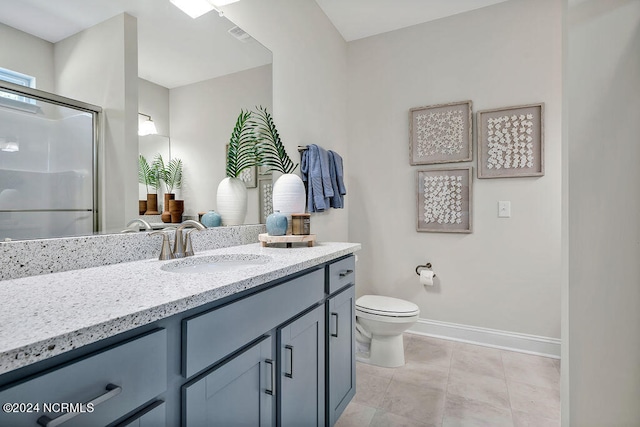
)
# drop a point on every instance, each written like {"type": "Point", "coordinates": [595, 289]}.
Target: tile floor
{"type": "Point", "coordinates": [447, 383]}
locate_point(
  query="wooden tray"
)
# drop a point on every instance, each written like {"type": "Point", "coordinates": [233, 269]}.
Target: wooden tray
{"type": "Point", "coordinates": [289, 239]}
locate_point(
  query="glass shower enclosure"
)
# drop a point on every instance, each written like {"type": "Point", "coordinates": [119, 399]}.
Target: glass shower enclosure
{"type": "Point", "coordinates": [48, 165]}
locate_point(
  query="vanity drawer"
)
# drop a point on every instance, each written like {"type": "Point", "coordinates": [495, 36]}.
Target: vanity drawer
{"type": "Point", "coordinates": [121, 378]}
{"type": "Point", "coordinates": [341, 274]}
{"type": "Point", "coordinates": [209, 337]}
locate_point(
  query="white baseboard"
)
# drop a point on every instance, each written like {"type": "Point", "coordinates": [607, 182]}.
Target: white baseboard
{"type": "Point", "coordinates": [524, 343]}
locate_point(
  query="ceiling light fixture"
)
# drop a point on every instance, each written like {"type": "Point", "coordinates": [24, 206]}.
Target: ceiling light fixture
{"type": "Point", "coordinates": [147, 127]}
{"type": "Point", "coordinates": [196, 8]}
{"type": "Point", "coordinates": [10, 146]}
{"type": "Point", "coordinates": [220, 3]}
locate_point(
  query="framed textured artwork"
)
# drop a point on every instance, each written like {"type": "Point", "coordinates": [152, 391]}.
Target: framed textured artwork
{"type": "Point", "coordinates": [440, 133]}
{"type": "Point", "coordinates": [250, 177]}
{"type": "Point", "coordinates": [265, 190]}
{"type": "Point", "coordinates": [444, 200]}
{"type": "Point", "coordinates": [511, 142]}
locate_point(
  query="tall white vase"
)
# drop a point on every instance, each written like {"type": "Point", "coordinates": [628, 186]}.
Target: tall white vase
{"type": "Point", "coordinates": [289, 196]}
{"type": "Point", "coordinates": [231, 201]}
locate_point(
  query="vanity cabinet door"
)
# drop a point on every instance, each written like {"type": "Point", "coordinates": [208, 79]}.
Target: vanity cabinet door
{"type": "Point", "coordinates": [153, 415]}
{"type": "Point", "coordinates": [341, 350]}
{"type": "Point", "coordinates": [302, 371]}
{"type": "Point", "coordinates": [115, 381]}
{"type": "Point", "coordinates": [240, 392]}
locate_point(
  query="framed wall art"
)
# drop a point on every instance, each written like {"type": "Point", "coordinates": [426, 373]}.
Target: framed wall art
{"type": "Point", "coordinates": [444, 200]}
{"type": "Point", "coordinates": [249, 177]}
{"type": "Point", "coordinates": [440, 133]}
{"type": "Point", "coordinates": [265, 191]}
{"type": "Point", "coordinates": [511, 142]}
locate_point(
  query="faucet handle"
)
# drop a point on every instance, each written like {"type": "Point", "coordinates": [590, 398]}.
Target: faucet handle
{"type": "Point", "coordinates": [165, 252]}
{"type": "Point", "coordinates": [188, 247]}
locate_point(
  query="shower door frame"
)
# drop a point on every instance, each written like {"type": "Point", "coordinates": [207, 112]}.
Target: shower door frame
{"type": "Point", "coordinates": [95, 112]}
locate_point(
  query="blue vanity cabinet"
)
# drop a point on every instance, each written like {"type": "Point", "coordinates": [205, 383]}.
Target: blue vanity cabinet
{"type": "Point", "coordinates": [153, 415]}
{"type": "Point", "coordinates": [117, 381]}
{"type": "Point", "coordinates": [341, 360]}
{"type": "Point", "coordinates": [239, 392]}
{"type": "Point", "coordinates": [302, 371]}
{"type": "Point", "coordinates": [279, 355]}
{"type": "Point", "coordinates": [341, 320]}
{"type": "Point", "coordinates": [209, 337]}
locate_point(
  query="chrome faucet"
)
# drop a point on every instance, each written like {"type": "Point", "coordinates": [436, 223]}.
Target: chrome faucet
{"type": "Point", "coordinates": [165, 251]}
{"type": "Point", "coordinates": [182, 248]}
{"type": "Point", "coordinates": [140, 221]}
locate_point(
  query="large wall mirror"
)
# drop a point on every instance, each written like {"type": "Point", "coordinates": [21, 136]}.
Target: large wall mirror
{"type": "Point", "coordinates": [193, 77]}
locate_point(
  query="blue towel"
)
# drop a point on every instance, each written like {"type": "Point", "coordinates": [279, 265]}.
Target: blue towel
{"type": "Point", "coordinates": [315, 171]}
{"type": "Point", "coordinates": [337, 180]}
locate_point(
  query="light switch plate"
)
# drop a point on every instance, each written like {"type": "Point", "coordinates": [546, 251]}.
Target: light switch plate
{"type": "Point", "coordinates": [504, 209]}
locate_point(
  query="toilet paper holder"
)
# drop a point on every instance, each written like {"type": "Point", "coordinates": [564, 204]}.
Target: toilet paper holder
{"type": "Point", "coordinates": [427, 266]}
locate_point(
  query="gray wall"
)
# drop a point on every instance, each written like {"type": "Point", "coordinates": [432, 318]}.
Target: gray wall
{"type": "Point", "coordinates": [153, 100]}
{"type": "Point", "coordinates": [203, 115]}
{"type": "Point", "coordinates": [100, 66]}
{"type": "Point", "coordinates": [506, 274]}
{"type": "Point", "coordinates": [309, 84]}
{"type": "Point", "coordinates": [38, 63]}
{"type": "Point", "coordinates": [603, 107]}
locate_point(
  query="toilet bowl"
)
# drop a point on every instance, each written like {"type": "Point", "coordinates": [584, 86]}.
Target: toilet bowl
{"type": "Point", "coordinates": [381, 321]}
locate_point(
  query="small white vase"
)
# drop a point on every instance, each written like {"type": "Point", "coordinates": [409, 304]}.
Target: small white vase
{"type": "Point", "coordinates": [289, 196]}
{"type": "Point", "coordinates": [231, 201]}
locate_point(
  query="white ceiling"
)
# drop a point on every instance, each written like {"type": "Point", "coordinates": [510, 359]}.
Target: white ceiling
{"type": "Point", "coordinates": [356, 19]}
{"type": "Point", "coordinates": [175, 50]}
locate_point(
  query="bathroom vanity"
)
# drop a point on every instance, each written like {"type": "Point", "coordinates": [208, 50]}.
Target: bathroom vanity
{"type": "Point", "coordinates": [268, 339]}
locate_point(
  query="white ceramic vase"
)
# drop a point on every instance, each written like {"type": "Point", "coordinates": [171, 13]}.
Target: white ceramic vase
{"type": "Point", "coordinates": [289, 196]}
{"type": "Point", "coordinates": [231, 201]}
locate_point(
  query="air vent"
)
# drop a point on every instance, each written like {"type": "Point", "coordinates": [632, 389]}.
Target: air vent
{"type": "Point", "coordinates": [239, 33]}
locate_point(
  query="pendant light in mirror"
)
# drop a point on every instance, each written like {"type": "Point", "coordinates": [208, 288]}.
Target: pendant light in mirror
{"type": "Point", "coordinates": [146, 127]}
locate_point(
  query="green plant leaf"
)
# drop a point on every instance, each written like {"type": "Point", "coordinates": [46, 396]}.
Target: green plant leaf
{"type": "Point", "coordinates": [169, 173]}
{"type": "Point", "coordinates": [147, 174]}
{"type": "Point", "coordinates": [242, 151]}
{"type": "Point", "coordinates": [173, 174]}
{"type": "Point", "coordinates": [271, 151]}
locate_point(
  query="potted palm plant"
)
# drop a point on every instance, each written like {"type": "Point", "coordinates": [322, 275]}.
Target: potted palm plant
{"type": "Point", "coordinates": [288, 190]}
{"type": "Point", "coordinates": [148, 175]}
{"type": "Point", "coordinates": [171, 175]}
{"type": "Point", "coordinates": [242, 153]}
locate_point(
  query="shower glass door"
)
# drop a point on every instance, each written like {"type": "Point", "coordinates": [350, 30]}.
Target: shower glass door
{"type": "Point", "coordinates": [47, 165]}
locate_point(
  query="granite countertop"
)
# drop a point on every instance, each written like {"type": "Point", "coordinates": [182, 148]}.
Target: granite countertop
{"type": "Point", "coordinates": [43, 316]}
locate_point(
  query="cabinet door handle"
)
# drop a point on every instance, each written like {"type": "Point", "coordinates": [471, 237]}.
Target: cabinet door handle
{"type": "Point", "coordinates": [336, 334]}
{"type": "Point", "coordinates": [290, 373]}
{"type": "Point", "coordinates": [271, 391]}
{"type": "Point", "coordinates": [112, 391]}
{"type": "Point", "coordinates": [346, 273]}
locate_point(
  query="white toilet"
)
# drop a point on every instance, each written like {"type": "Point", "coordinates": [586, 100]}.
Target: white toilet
{"type": "Point", "coordinates": [381, 321]}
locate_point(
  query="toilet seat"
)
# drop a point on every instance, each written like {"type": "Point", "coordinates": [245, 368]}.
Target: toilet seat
{"type": "Point", "coordinates": [386, 306]}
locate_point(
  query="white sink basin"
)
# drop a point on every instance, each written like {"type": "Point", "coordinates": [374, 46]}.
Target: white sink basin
{"type": "Point", "coordinates": [215, 263]}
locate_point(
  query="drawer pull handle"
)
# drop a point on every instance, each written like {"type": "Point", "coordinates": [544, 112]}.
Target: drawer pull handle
{"type": "Point", "coordinates": [112, 391]}
{"type": "Point", "coordinates": [336, 334]}
{"type": "Point", "coordinates": [271, 391]}
{"type": "Point", "coordinates": [346, 273]}
{"type": "Point", "coordinates": [290, 373]}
